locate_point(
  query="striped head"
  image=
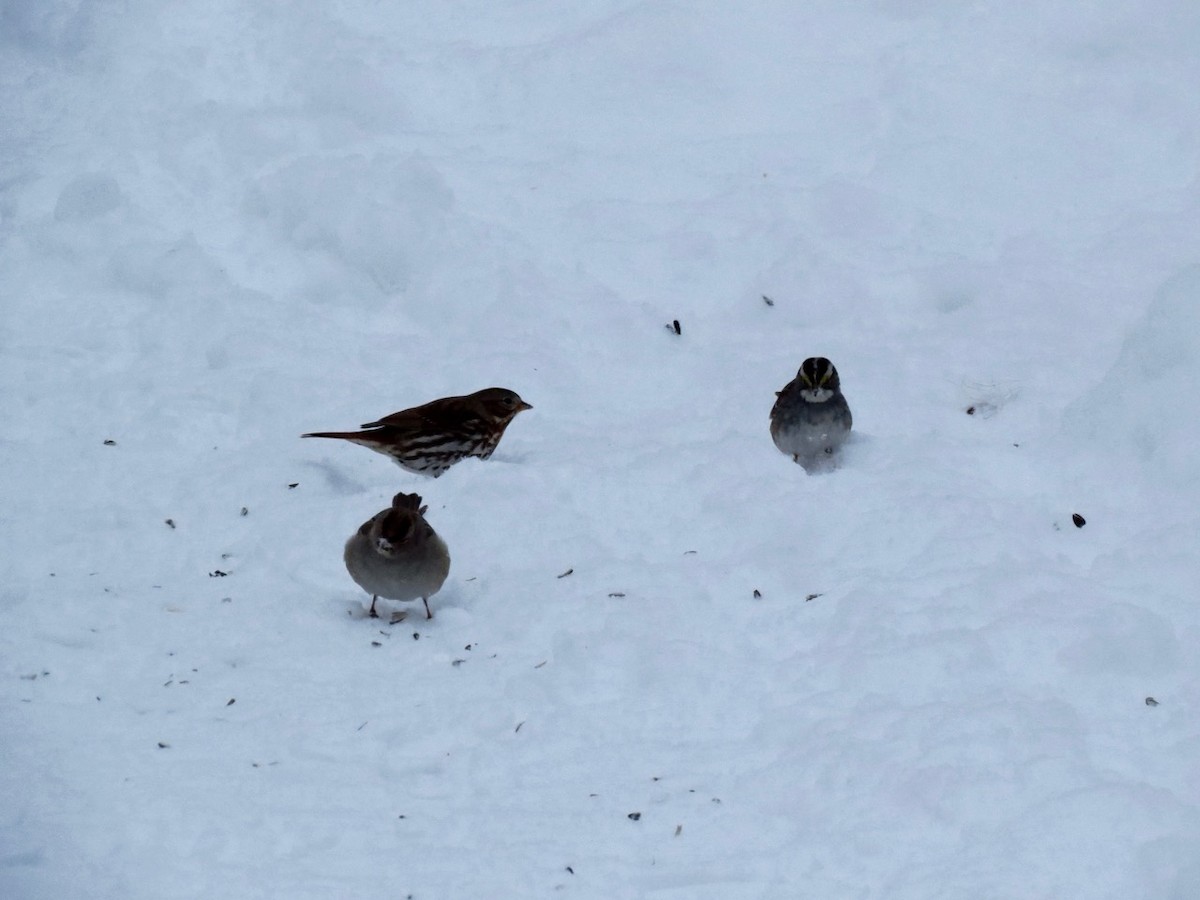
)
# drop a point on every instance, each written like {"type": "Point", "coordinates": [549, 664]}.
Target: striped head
{"type": "Point", "coordinates": [818, 380]}
{"type": "Point", "coordinates": [402, 525]}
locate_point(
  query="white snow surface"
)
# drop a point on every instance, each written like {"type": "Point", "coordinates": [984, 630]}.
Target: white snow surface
{"type": "Point", "coordinates": [225, 224]}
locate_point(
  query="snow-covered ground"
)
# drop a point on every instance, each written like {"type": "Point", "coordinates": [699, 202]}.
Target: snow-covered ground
{"type": "Point", "coordinates": [225, 224]}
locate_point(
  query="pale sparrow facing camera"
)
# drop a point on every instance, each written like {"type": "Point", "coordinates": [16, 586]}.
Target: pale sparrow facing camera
{"type": "Point", "coordinates": [811, 418]}
{"type": "Point", "coordinates": [397, 555]}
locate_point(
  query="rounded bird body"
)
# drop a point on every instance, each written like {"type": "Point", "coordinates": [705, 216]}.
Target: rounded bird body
{"type": "Point", "coordinates": [397, 555]}
{"type": "Point", "coordinates": [430, 438]}
{"type": "Point", "coordinates": [811, 418]}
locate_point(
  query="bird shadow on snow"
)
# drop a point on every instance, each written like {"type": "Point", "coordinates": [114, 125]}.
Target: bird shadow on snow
{"type": "Point", "coordinates": [509, 458]}
{"type": "Point", "coordinates": [357, 610]}
{"type": "Point", "coordinates": [444, 604]}
{"type": "Point", "coordinates": [848, 456]}
{"type": "Point", "coordinates": [337, 480]}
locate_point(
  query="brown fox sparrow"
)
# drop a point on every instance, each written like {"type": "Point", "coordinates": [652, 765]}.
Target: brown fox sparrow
{"type": "Point", "coordinates": [431, 438]}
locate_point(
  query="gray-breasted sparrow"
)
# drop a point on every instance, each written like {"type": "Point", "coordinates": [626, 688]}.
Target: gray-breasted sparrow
{"type": "Point", "coordinates": [810, 418]}
{"type": "Point", "coordinates": [397, 555]}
